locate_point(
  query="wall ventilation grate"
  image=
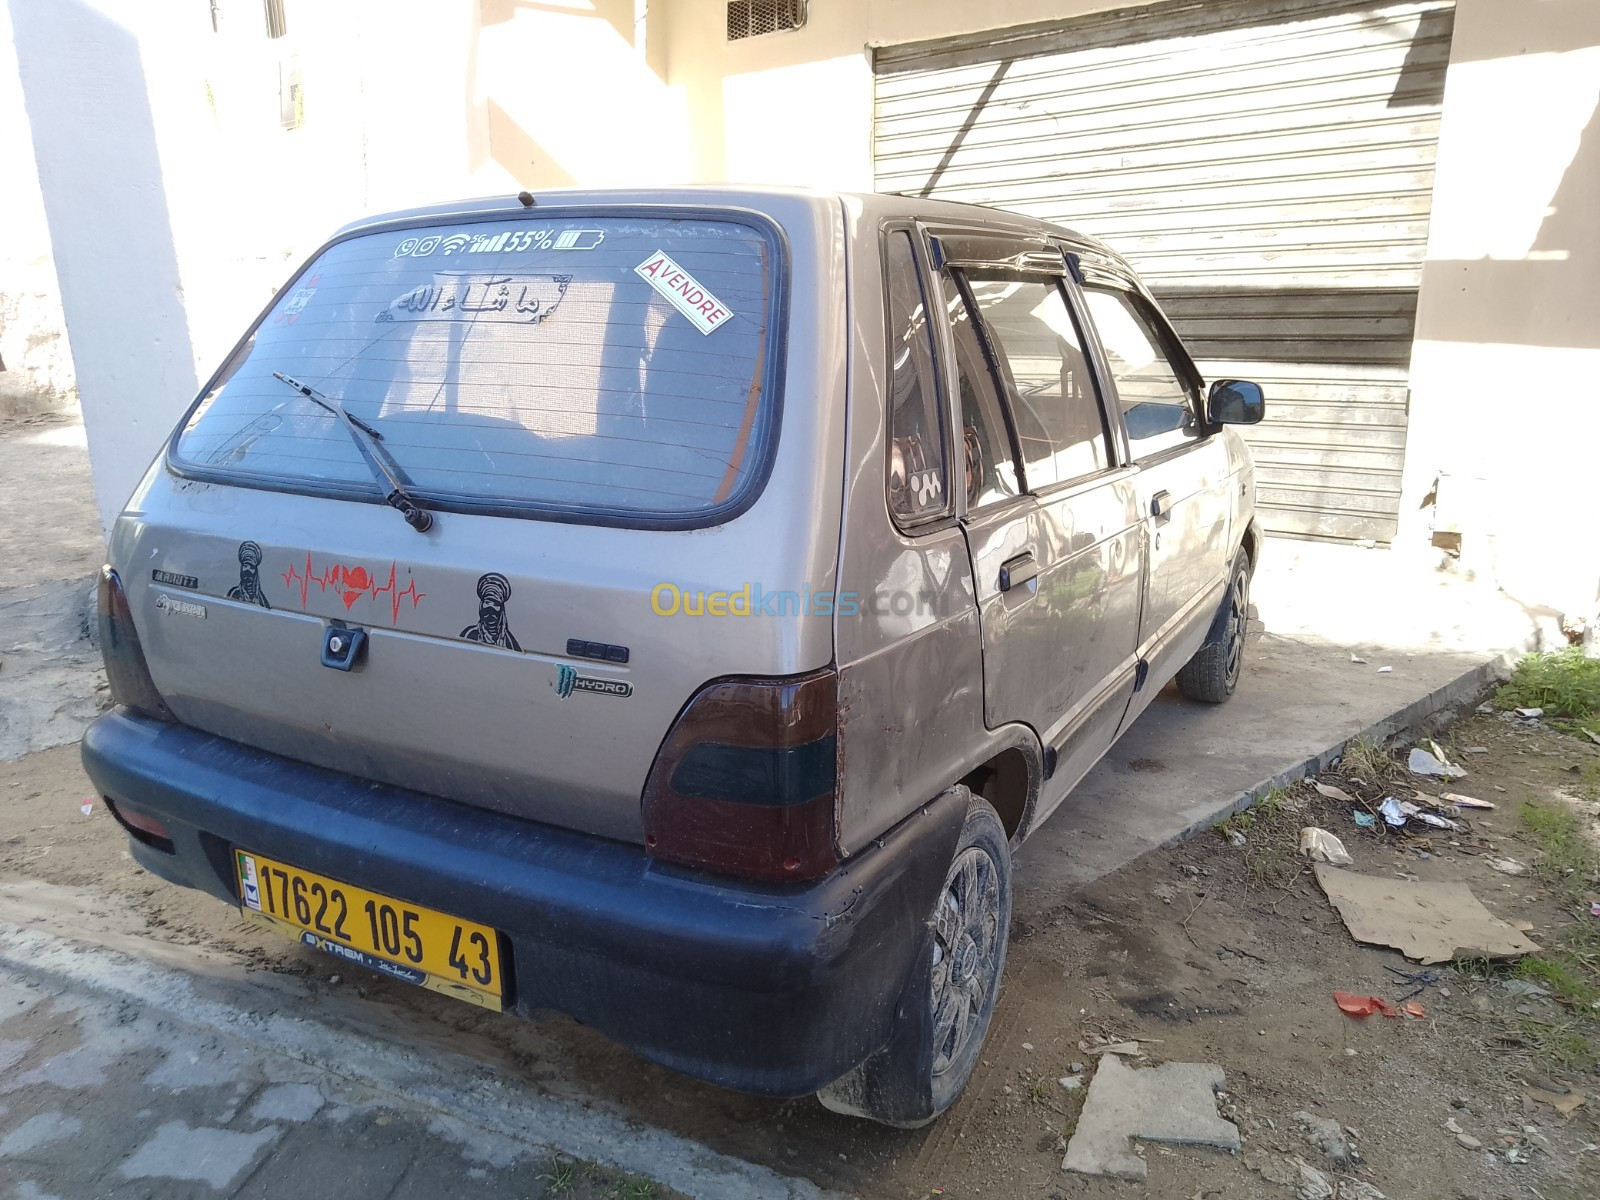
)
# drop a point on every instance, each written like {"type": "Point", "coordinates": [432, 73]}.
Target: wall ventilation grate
{"type": "Point", "coordinates": [752, 18]}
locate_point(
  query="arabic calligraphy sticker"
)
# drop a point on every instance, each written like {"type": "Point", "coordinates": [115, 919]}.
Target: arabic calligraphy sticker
{"type": "Point", "coordinates": [524, 299]}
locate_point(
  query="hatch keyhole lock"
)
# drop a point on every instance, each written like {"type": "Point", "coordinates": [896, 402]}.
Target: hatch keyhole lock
{"type": "Point", "coordinates": [342, 648]}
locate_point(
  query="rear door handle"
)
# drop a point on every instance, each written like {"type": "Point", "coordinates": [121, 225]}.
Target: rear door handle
{"type": "Point", "coordinates": [1017, 571]}
{"type": "Point", "coordinates": [1161, 507]}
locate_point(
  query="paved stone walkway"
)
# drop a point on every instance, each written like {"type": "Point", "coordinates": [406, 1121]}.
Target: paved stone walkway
{"type": "Point", "coordinates": [116, 1100]}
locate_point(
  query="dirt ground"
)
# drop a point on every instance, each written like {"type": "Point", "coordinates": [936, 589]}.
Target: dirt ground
{"type": "Point", "coordinates": [1208, 952]}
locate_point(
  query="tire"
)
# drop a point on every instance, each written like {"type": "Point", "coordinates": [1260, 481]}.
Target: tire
{"type": "Point", "coordinates": [950, 999]}
{"type": "Point", "coordinates": [1212, 674]}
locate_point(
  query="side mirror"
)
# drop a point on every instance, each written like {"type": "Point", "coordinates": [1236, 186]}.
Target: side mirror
{"type": "Point", "coordinates": [1235, 402]}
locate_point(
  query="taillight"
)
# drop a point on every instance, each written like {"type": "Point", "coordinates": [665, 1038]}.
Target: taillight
{"type": "Point", "coordinates": [126, 670]}
{"type": "Point", "coordinates": [141, 825]}
{"type": "Point", "coordinates": [745, 782]}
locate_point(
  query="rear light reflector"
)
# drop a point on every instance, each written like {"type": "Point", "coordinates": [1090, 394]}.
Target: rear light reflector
{"type": "Point", "coordinates": [746, 780]}
{"type": "Point", "coordinates": [126, 669]}
{"type": "Point", "coordinates": [142, 826]}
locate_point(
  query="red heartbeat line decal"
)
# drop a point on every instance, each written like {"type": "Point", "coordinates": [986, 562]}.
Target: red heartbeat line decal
{"type": "Point", "coordinates": [351, 583]}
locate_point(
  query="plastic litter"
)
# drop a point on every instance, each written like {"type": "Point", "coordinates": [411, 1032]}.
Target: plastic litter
{"type": "Point", "coordinates": [1393, 814]}
{"type": "Point", "coordinates": [1129, 1048]}
{"type": "Point", "coordinates": [1421, 762]}
{"type": "Point", "coordinates": [1321, 846]}
{"type": "Point", "coordinates": [1427, 818]}
{"type": "Point", "coordinates": [1419, 981]}
{"type": "Point", "coordinates": [1506, 866]}
{"type": "Point", "coordinates": [1365, 820]}
{"type": "Point", "coordinates": [1385, 670]}
{"type": "Point", "coordinates": [1594, 908]}
{"type": "Point", "coordinates": [1524, 987]}
{"type": "Point", "coordinates": [1235, 838]}
{"type": "Point", "coordinates": [1333, 793]}
{"type": "Point", "coordinates": [1356, 658]}
{"type": "Point", "coordinates": [1363, 1006]}
{"type": "Point", "coordinates": [1533, 714]}
{"type": "Point", "coordinates": [1461, 801]}
{"type": "Point", "coordinates": [86, 807]}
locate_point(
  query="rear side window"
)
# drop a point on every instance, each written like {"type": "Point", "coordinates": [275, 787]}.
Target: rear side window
{"type": "Point", "coordinates": [917, 487]}
{"type": "Point", "coordinates": [596, 364]}
{"type": "Point", "coordinates": [1053, 400]}
{"type": "Point", "coordinates": [990, 467]}
{"type": "Point", "coordinates": [1155, 400]}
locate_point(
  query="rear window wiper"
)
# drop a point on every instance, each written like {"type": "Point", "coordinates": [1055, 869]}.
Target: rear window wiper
{"type": "Point", "coordinates": [370, 442]}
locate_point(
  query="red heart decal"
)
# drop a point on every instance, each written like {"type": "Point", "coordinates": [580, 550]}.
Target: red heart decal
{"type": "Point", "coordinates": [356, 581]}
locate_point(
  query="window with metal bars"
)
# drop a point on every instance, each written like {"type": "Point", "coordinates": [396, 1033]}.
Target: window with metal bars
{"type": "Point", "coordinates": [752, 18]}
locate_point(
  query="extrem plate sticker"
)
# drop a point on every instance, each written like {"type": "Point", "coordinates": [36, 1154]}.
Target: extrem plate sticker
{"type": "Point", "coordinates": [687, 295]}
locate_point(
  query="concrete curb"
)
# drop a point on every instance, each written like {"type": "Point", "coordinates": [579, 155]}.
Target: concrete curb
{"type": "Point", "coordinates": [1461, 690]}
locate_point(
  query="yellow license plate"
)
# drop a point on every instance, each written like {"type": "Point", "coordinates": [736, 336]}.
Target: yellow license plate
{"type": "Point", "coordinates": [404, 941]}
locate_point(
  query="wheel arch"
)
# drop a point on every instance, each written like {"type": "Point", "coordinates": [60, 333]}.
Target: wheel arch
{"type": "Point", "coordinates": [1008, 772]}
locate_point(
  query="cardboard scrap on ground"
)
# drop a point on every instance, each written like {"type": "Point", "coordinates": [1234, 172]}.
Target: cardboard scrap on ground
{"type": "Point", "coordinates": [1565, 1103]}
{"type": "Point", "coordinates": [1427, 922]}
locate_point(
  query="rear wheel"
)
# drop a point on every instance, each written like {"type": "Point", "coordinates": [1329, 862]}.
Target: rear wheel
{"type": "Point", "coordinates": [945, 1016]}
{"type": "Point", "coordinates": [1212, 674]}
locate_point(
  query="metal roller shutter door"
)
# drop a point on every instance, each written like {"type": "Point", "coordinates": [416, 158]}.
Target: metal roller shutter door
{"type": "Point", "coordinates": [1268, 168]}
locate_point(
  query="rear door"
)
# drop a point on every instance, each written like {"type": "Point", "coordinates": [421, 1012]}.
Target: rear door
{"type": "Point", "coordinates": [1050, 516]}
{"type": "Point", "coordinates": [1182, 480]}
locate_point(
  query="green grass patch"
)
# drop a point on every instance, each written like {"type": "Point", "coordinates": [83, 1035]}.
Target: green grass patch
{"type": "Point", "coordinates": [1271, 835]}
{"type": "Point", "coordinates": [1263, 812]}
{"type": "Point", "coordinates": [1567, 859]}
{"type": "Point", "coordinates": [1367, 760]}
{"type": "Point", "coordinates": [1564, 683]}
{"type": "Point", "coordinates": [1071, 1110]}
{"type": "Point", "coordinates": [1564, 974]}
{"type": "Point", "coordinates": [575, 1179]}
{"type": "Point", "coordinates": [1564, 1042]}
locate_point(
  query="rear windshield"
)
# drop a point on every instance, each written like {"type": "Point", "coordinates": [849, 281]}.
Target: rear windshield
{"type": "Point", "coordinates": [606, 364]}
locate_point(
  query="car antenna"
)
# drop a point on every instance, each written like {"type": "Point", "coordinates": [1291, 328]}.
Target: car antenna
{"type": "Point", "coordinates": [526, 198]}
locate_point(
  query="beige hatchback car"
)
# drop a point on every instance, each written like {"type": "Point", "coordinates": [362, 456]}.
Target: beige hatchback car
{"type": "Point", "coordinates": [764, 566]}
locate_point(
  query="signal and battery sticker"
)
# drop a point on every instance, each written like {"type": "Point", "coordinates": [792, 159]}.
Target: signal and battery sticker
{"type": "Point", "coordinates": [499, 242]}
{"type": "Point", "coordinates": [686, 293]}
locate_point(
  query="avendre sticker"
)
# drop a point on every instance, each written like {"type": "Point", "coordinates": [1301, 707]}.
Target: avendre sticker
{"type": "Point", "coordinates": [687, 295]}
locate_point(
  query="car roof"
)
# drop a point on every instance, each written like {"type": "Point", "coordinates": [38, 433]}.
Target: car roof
{"type": "Point", "coordinates": [878, 205]}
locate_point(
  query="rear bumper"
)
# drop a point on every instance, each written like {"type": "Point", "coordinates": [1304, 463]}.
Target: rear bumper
{"type": "Point", "coordinates": [776, 990]}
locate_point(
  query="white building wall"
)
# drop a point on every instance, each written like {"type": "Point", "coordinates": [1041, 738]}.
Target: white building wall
{"type": "Point", "coordinates": [1505, 372]}
{"type": "Point", "coordinates": [33, 335]}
